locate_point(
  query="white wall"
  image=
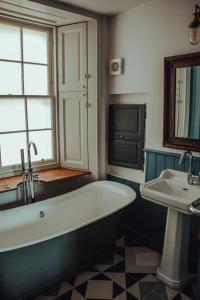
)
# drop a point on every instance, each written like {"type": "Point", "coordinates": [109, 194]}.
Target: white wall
{"type": "Point", "coordinates": [143, 36]}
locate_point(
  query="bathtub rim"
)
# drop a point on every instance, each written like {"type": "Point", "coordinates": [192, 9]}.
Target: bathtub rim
{"type": "Point", "coordinates": [131, 198]}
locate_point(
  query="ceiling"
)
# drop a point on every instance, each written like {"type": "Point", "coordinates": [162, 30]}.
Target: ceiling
{"type": "Point", "coordinates": [32, 11]}
{"type": "Point", "coordinates": [107, 7]}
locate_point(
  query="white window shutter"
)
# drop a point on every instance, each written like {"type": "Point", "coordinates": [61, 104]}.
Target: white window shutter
{"type": "Point", "coordinates": [73, 122]}
{"type": "Point", "coordinates": [72, 54]}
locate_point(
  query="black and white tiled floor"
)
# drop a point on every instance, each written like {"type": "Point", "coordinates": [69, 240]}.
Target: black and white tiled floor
{"type": "Point", "coordinates": [129, 275]}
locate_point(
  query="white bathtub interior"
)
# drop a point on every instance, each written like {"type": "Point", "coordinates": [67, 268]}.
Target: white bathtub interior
{"type": "Point", "coordinates": [23, 226]}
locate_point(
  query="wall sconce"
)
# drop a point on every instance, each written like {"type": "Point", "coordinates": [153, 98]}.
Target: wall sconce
{"type": "Point", "coordinates": [194, 37]}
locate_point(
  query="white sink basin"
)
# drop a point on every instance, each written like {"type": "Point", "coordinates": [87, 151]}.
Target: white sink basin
{"type": "Point", "coordinates": [172, 190]}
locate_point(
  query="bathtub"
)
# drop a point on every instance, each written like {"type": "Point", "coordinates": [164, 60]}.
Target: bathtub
{"type": "Point", "coordinates": [46, 242]}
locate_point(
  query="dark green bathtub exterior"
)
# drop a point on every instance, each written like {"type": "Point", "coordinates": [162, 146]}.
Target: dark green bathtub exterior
{"type": "Point", "coordinates": [26, 272]}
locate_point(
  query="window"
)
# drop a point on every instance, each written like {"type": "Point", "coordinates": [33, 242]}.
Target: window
{"type": "Point", "coordinates": [26, 94]}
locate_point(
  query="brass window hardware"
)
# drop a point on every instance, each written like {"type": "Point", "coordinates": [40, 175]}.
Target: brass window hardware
{"type": "Point", "coordinates": [88, 76]}
{"type": "Point", "coordinates": [88, 104]}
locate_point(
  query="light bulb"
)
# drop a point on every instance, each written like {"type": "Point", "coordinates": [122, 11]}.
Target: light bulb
{"type": "Point", "coordinates": [194, 35]}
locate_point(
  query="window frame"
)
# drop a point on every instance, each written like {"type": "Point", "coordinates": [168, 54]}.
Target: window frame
{"type": "Point", "coordinates": [51, 64]}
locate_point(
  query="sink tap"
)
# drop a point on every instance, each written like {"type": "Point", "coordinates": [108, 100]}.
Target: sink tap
{"type": "Point", "coordinates": [191, 178]}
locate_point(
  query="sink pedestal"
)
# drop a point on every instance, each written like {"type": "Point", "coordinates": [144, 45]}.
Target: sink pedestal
{"type": "Point", "coordinates": [173, 270]}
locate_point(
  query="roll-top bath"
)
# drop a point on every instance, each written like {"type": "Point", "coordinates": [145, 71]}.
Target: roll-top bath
{"type": "Point", "coordinates": [63, 235]}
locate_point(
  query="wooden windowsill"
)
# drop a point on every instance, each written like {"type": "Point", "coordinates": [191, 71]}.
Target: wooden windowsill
{"type": "Point", "coordinates": [10, 183]}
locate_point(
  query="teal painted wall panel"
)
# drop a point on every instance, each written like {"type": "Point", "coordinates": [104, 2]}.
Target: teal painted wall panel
{"type": "Point", "coordinates": [138, 222]}
{"type": "Point", "coordinates": [150, 166]}
{"type": "Point", "coordinates": [169, 162]}
{"type": "Point", "coordinates": [157, 161]}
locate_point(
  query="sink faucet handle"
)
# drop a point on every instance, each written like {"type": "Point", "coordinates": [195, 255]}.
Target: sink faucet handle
{"type": "Point", "coordinates": [185, 154]}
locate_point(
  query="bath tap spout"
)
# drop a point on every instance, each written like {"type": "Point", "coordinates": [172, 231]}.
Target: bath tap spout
{"type": "Point", "coordinates": [29, 154]}
{"type": "Point", "coordinates": [31, 177]}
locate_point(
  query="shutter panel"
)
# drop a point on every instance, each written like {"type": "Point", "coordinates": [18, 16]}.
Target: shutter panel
{"type": "Point", "coordinates": [73, 130]}
{"type": "Point", "coordinates": [72, 53]}
{"type": "Point", "coordinates": [73, 122]}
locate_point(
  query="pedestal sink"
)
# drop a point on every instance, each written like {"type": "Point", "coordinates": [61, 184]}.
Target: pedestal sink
{"type": "Point", "coordinates": [172, 190]}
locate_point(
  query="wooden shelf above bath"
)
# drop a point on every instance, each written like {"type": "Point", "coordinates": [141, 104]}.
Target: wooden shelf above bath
{"type": "Point", "coordinates": [10, 183]}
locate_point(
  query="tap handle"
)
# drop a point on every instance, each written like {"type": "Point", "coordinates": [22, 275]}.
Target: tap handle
{"type": "Point", "coordinates": [22, 160]}
{"type": "Point", "coordinates": [36, 178]}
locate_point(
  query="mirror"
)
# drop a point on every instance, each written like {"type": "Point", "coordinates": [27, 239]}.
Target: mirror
{"type": "Point", "coordinates": [182, 102]}
{"type": "Point", "coordinates": [187, 113]}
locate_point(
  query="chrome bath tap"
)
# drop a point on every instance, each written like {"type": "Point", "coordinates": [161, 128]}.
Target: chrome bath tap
{"type": "Point", "coordinates": [191, 178]}
{"type": "Point", "coordinates": [32, 177]}
{"type": "Point", "coordinates": [29, 154]}
{"type": "Point", "coordinates": [29, 177]}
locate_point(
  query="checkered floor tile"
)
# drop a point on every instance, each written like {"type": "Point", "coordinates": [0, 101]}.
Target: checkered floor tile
{"type": "Point", "coordinates": [128, 275]}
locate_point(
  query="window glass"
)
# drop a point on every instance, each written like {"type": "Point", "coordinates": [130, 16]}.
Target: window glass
{"type": "Point", "coordinates": [12, 115]}
{"type": "Point", "coordinates": [10, 42]}
{"type": "Point", "coordinates": [10, 78]}
{"type": "Point", "coordinates": [35, 46]}
{"type": "Point", "coordinates": [39, 113]}
{"type": "Point", "coordinates": [35, 80]}
{"type": "Point", "coordinates": [10, 147]}
{"type": "Point", "coordinates": [44, 143]}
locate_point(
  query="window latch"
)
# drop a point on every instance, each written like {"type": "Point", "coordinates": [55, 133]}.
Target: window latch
{"type": "Point", "coordinates": [88, 104]}
{"type": "Point", "coordinates": [87, 76]}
